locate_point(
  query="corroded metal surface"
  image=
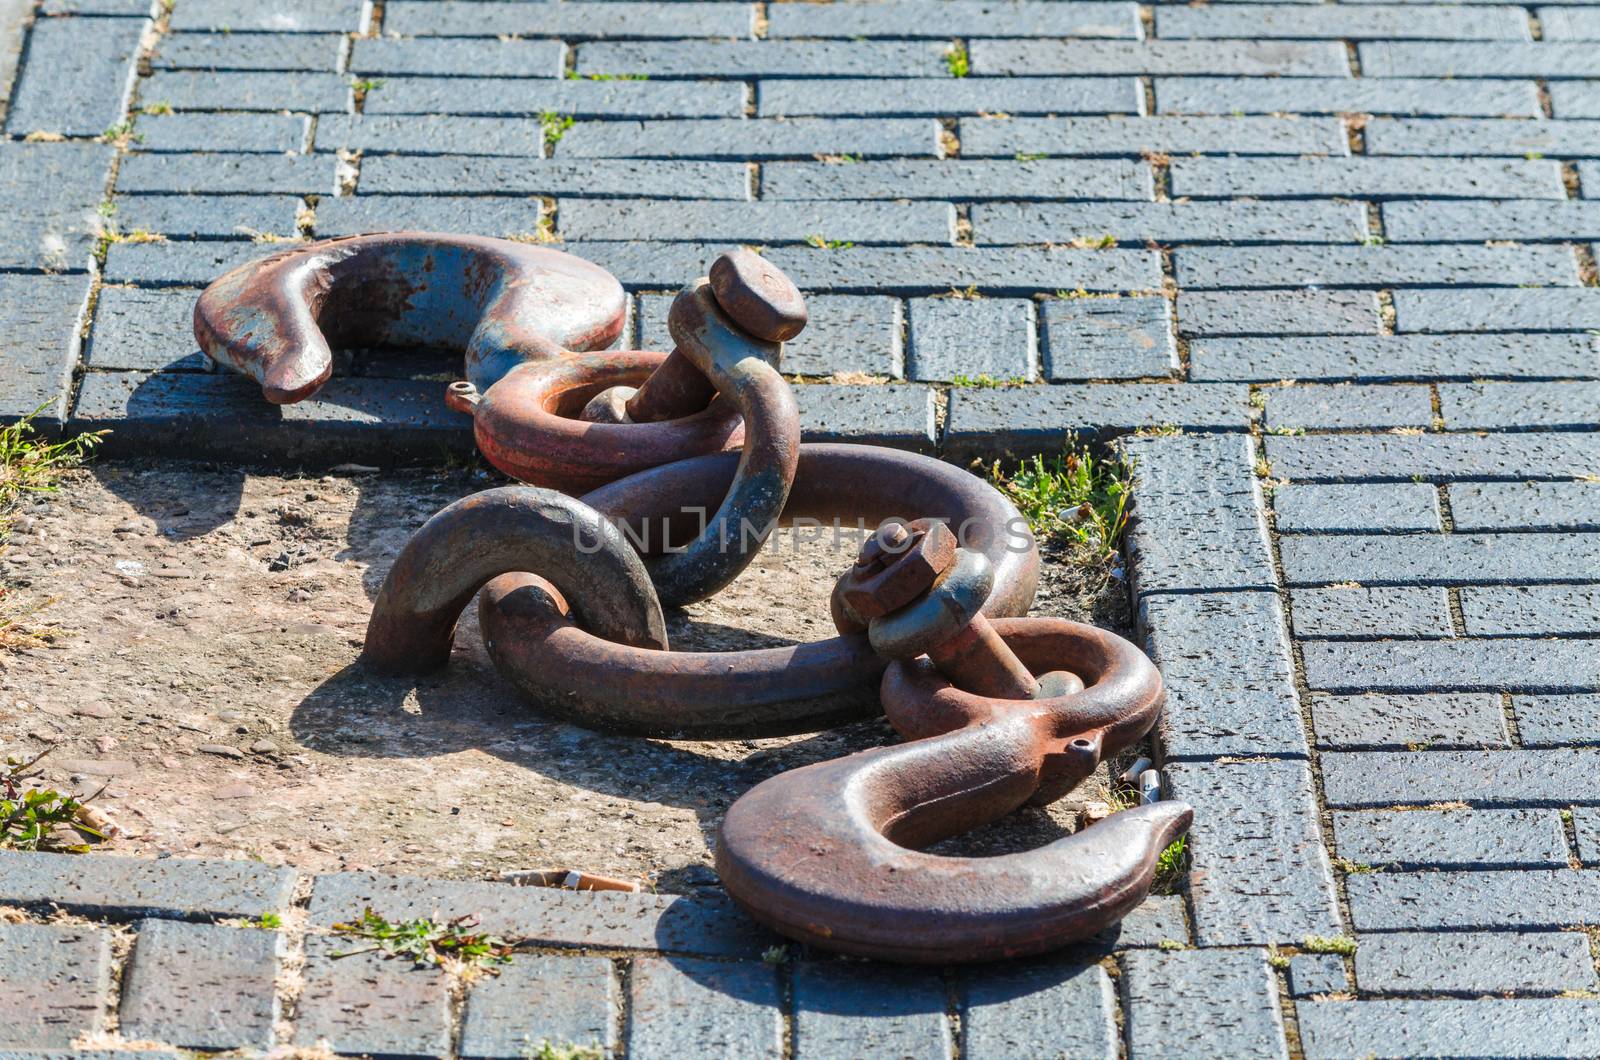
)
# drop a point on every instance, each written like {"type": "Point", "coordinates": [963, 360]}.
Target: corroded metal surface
{"type": "Point", "coordinates": [500, 303]}
{"type": "Point", "coordinates": [829, 854]}
{"type": "Point", "coordinates": [997, 714]}
{"type": "Point", "coordinates": [513, 528]}
{"type": "Point", "coordinates": [565, 668]}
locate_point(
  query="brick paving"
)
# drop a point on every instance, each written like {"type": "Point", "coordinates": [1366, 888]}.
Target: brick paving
{"type": "Point", "coordinates": [1372, 593]}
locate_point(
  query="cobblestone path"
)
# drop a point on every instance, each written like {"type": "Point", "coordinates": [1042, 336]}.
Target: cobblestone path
{"type": "Point", "coordinates": [1333, 261]}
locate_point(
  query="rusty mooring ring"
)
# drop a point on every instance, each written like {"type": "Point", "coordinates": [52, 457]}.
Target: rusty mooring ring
{"type": "Point", "coordinates": [501, 303]}
{"type": "Point", "coordinates": [588, 679]}
{"type": "Point", "coordinates": [512, 528]}
{"type": "Point", "coordinates": [827, 854]}
{"type": "Point", "coordinates": [528, 424]}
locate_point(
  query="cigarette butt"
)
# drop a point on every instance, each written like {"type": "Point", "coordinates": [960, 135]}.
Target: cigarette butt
{"type": "Point", "coordinates": [1130, 776]}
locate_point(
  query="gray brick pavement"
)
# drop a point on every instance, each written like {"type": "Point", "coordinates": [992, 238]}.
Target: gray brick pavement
{"type": "Point", "coordinates": [1418, 636]}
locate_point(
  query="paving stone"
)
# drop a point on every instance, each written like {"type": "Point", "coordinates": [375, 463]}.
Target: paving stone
{"type": "Point", "coordinates": [1475, 963]}
{"type": "Point", "coordinates": [763, 223]}
{"type": "Point", "coordinates": [469, 175]}
{"type": "Point", "coordinates": [1311, 974]}
{"type": "Point", "coordinates": [1165, 222]}
{"type": "Point", "coordinates": [1363, 509]}
{"type": "Point", "coordinates": [1362, 613]}
{"type": "Point", "coordinates": [1519, 406]}
{"type": "Point", "coordinates": [1444, 665]}
{"type": "Point", "coordinates": [144, 330]}
{"type": "Point", "coordinates": [268, 133]}
{"type": "Point", "coordinates": [1575, 99]}
{"type": "Point", "coordinates": [1259, 873]}
{"type": "Point", "coordinates": [1398, 457]}
{"type": "Point", "coordinates": [193, 264]}
{"type": "Point", "coordinates": [178, 888]}
{"type": "Point", "coordinates": [599, 920]}
{"type": "Point", "coordinates": [684, 1007]}
{"type": "Point", "coordinates": [76, 76]}
{"type": "Point", "coordinates": [1228, 999]}
{"type": "Point", "coordinates": [1374, 22]}
{"type": "Point", "coordinates": [1589, 179]}
{"type": "Point", "coordinates": [951, 338]}
{"type": "Point", "coordinates": [1224, 659]}
{"type": "Point", "coordinates": [279, 16]}
{"type": "Point", "coordinates": [1515, 309]}
{"type": "Point", "coordinates": [1107, 338]}
{"type": "Point", "coordinates": [1367, 178]}
{"type": "Point", "coordinates": [1451, 559]}
{"type": "Point", "coordinates": [769, 58]}
{"type": "Point", "coordinates": [1395, 358]}
{"type": "Point", "coordinates": [1038, 1009]}
{"type": "Point", "coordinates": [1228, 313]}
{"type": "Point", "coordinates": [1340, 95]}
{"type": "Point", "coordinates": [1376, 722]}
{"type": "Point", "coordinates": [1522, 220]}
{"type": "Point", "coordinates": [105, 8]}
{"type": "Point", "coordinates": [373, 421]}
{"type": "Point", "coordinates": [1512, 611]}
{"type": "Point", "coordinates": [54, 980]}
{"type": "Point", "coordinates": [40, 318]}
{"type": "Point", "coordinates": [466, 18]}
{"type": "Point", "coordinates": [1456, 138]}
{"type": "Point", "coordinates": [209, 216]}
{"type": "Point", "coordinates": [1105, 137]}
{"type": "Point", "coordinates": [1196, 520]}
{"type": "Point", "coordinates": [1478, 59]}
{"type": "Point", "coordinates": [1159, 919]}
{"type": "Point", "coordinates": [222, 90]}
{"type": "Point", "coordinates": [1494, 1026]}
{"type": "Point", "coordinates": [932, 98]}
{"type": "Point", "coordinates": [1555, 721]}
{"type": "Point", "coordinates": [1569, 23]}
{"type": "Point", "coordinates": [1243, 58]}
{"type": "Point", "coordinates": [911, 270]}
{"type": "Point", "coordinates": [873, 1010]}
{"type": "Point", "coordinates": [392, 57]}
{"type": "Point", "coordinates": [1452, 839]}
{"type": "Point", "coordinates": [1038, 419]}
{"type": "Point", "coordinates": [226, 174]}
{"type": "Point", "coordinates": [202, 986]}
{"type": "Point", "coordinates": [1388, 266]}
{"type": "Point", "coordinates": [1554, 777]}
{"type": "Point", "coordinates": [51, 192]}
{"type": "Point", "coordinates": [431, 135]}
{"type": "Point", "coordinates": [954, 179]}
{"type": "Point", "coordinates": [248, 51]}
{"type": "Point", "coordinates": [1525, 505]}
{"type": "Point", "coordinates": [845, 333]}
{"type": "Point", "coordinates": [1319, 407]}
{"type": "Point", "coordinates": [369, 1004]}
{"type": "Point", "coordinates": [566, 1001]}
{"type": "Point", "coordinates": [472, 215]}
{"type": "Point", "coordinates": [753, 139]}
{"type": "Point", "coordinates": [959, 18]}
{"type": "Point", "coordinates": [897, 416]}
{"type": "Point", "coordinates": [1586, 827]}
{"type": "Point", "coordinates": [579, 99]}
{"type": "Point", "coordinates": [1527, 899]}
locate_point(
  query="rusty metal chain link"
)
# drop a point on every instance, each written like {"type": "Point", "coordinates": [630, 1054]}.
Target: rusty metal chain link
{"type": "Point", "coordinates": [998, 711]}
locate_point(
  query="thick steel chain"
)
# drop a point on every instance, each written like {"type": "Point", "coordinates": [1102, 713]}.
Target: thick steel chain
{"type": "Point", "coordinates": [997, 714]}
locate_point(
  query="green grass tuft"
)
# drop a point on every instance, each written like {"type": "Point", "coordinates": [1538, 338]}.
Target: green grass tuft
{"type": "Point", "coordinates": [427, 942]}
{"type": "Point", "coordinates": [1074, 496]}
{"type": "Point", "coordinates": [956, 60]}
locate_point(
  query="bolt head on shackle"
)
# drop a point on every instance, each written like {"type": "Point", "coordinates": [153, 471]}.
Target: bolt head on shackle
{"type": "Point", "coordinates": [757, 296]}
{"type": "Point", "coordinates": [896, 565]}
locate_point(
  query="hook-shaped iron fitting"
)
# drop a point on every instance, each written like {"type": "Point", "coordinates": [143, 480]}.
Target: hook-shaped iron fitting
{"type": "Point", "coordinates": [502, 303]}
{"type": "Point", "coordinates": [506, 530]}
{"type": "Point", "coordinates": [829, 854]}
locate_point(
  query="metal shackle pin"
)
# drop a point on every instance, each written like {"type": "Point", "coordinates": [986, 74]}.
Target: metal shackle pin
{"type": "Point", "coordinates": [756, 296]}
{"type": "Point", "coordinates": [927, 599]}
